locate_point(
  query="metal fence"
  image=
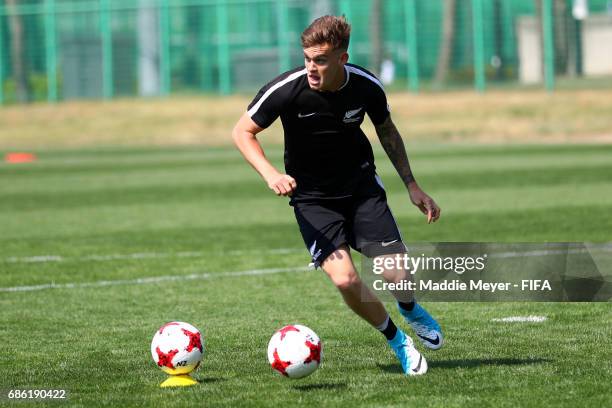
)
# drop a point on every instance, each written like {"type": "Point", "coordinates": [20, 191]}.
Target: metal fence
{"type": "Point", "coordinates": [57, 50]}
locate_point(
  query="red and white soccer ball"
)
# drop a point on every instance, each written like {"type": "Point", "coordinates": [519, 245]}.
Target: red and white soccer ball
{"type": "Point", "coordinates": [177, 348]}
{"type": "Point", "coordinates": [295, 351]}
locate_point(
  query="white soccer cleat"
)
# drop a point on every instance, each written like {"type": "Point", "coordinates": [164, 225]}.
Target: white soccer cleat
{"type": "Point", "coordinates": [413, 362]}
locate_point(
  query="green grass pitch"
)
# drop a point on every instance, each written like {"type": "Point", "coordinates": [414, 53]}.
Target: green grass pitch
{"type": "Point", "coordinates": [194, 215]}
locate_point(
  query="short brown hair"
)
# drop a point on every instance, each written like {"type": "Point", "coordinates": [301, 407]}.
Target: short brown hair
{"type": "Point", "coordinates": [331, 30]}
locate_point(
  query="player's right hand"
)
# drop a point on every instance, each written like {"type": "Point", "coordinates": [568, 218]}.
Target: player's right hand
{"type": "Point", "coordinates": [282, 184]}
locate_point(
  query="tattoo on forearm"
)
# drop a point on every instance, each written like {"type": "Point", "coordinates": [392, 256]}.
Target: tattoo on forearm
{"type": "Point", "coordinates": [394, 147]}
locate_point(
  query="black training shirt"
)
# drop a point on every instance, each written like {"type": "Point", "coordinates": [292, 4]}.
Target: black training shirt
{"type": "Point", "coordinates": [325, 149]}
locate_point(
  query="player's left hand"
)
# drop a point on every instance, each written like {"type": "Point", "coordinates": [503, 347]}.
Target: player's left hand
{"type": "Point", "coordinates": [425, 203]}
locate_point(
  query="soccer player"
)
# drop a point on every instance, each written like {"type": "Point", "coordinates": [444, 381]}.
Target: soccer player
{"type": "Point", "coordinates": [338, 199]}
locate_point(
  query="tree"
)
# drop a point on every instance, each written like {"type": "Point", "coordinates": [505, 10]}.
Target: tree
{"type": "Point", "coordinates": [17, 52]}
{"type": "Point", "coordinates": [446, 42]}
{"type": "Point", "coordinates": [564, 36]}
{"type": "Point", "coordinates": [320, 8]}
{"type": "Point", "coordinates": [148, 44]}
{"type": "Point", "coordinates": [376, 54]}
{"type": "Point", "coordinates": [560, 32]}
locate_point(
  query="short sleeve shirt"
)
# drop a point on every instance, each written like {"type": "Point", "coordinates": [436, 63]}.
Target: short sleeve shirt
{"type": "Point", "coordinates": [325, 149]}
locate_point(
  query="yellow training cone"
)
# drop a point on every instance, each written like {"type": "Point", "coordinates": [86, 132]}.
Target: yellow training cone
{"type": "Point", "coordinates": [183, 380]}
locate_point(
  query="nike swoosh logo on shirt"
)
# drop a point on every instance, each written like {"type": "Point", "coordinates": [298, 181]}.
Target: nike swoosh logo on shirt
{"type": "Point", "coordinates": [305, 115]}
{"type": "Point", "coordinates": [388, 243]}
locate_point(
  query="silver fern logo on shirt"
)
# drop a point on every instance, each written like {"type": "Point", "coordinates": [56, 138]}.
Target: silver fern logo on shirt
{"type": "Point", "coordinates": [351, 116]}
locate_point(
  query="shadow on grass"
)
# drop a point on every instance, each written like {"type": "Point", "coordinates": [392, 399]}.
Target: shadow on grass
{"type": "Point", "coordinates": [391, 368]}
{"type": "Point", "coordinates": [479, 362]}
{"type": "Point", "coordinates": [209, 380]}
{"type": "Point", "coordinates": [321, 386]}
{"type": "Point", "coordinates": [469, 363]}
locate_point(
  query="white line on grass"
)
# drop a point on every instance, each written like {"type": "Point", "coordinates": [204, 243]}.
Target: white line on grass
{"type": "Point", "coordinates": [147, 255]}
{"type": "Point", "coordinates": [197, 254]}
{"type": "Point", "coordinates": [35, 259]}
{"type": "Point", "coordinates": [520, 319]}
{"type": "Point", "coordinates": [607, 247]}
{"type": "Point", "coordinates": [548, 252]}
{"type": "Point", "coordinates": [153, 279]}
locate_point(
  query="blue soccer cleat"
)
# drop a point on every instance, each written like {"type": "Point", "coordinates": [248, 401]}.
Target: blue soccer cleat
{"type": "Point", "coordinates": [425, 327]}
{"type": "Point", "coordinates": [413, 363]}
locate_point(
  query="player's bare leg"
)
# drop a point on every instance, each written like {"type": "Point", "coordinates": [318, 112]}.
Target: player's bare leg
{"type": "Point", "coordinates": [398, 275]}
{"type": "Point", "coordinates": [425, 326]}
{"type": "Point", "coordinates": [341, 270]}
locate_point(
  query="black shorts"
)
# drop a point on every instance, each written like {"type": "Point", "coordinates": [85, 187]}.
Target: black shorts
{"type": "Point", "coordinates": [362, 221]}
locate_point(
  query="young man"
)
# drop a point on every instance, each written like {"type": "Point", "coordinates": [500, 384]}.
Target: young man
{"type": "Point", "coordinates": [338, 199]}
